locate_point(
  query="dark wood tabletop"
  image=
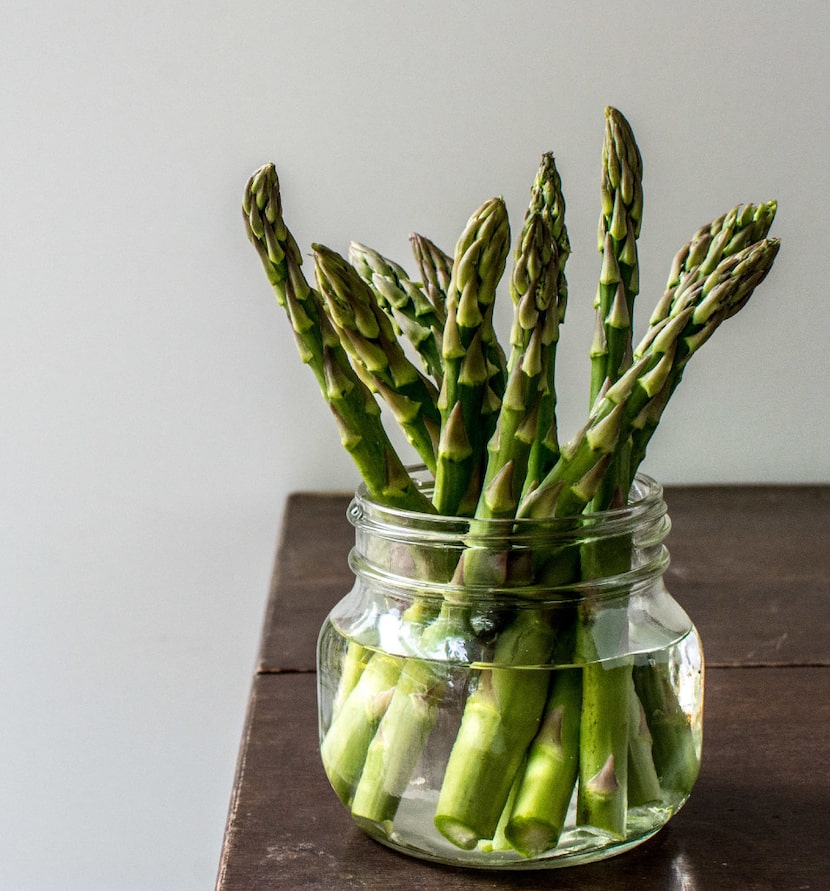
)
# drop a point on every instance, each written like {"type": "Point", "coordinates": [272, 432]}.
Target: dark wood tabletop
{"type": "Point", "coordinates": [750, 564]}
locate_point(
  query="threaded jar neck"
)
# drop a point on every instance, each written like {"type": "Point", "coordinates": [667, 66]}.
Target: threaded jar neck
{"type": "Point", "coordinates": [562, 558]}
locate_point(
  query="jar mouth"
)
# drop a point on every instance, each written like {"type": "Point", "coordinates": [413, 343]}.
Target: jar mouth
{"type": "Point", "coordinates": [556, 559]}
{"type": "Point", "coordinates": [643, 513]}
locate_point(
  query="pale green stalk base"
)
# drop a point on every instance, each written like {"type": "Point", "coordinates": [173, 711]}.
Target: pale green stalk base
{"type": "Point", "coordinates": [643, 782]}
{"type": "Point", "coordinates": [407, 723]}
{"type": "Point", "coordinates": [676, 758]}
{"type": "Point", "coordinates": [500, 719]}
{"type": "Point", "coordinates": [603, 751]}
{"type": "Point", "coordinates": [344, 747]}
{"type": "Point", "coordinates": [546, 787]}
{"type": "Point", "coordinates": [398, 742]}
{"type": "Point", "coordinates": [354, 662]}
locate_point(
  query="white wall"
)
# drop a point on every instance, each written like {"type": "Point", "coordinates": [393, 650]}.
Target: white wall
{"type": "Point", "coordinates": [154, 413]}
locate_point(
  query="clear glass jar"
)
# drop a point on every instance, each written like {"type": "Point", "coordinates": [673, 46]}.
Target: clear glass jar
{"type": "Point", "coordinates": [511, 693]}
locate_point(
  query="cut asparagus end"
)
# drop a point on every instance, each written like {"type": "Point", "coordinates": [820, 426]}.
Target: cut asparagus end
{"type": "Point", "coordinates": [461, 834]}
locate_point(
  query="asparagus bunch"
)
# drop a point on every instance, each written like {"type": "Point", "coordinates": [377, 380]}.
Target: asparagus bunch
{"type": "Point", "coordinates": [406, 723]}
{"type": "Point", "coordinates": [485, 424]}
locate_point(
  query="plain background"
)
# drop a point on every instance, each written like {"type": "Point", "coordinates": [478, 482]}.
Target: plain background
{"type": "Point", "coordinates": [154, 411]}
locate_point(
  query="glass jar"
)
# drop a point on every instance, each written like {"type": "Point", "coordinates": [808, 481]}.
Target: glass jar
{"type": "Point", "coordinates": [511, 693]}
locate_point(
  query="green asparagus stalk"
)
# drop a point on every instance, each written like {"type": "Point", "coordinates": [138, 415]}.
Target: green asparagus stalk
{"type": "Point", "coordinates": [603, 751]}
{"type": "Point", "coordinates": [607, 691]}
{"type": "Point", "coordinates": [436, 272]}
{"type": "Point", "coordinates": [726, 235]}
{"type": "Point", "coordinates": [539, 291]}
{"type": "Point", "coordinates": [535, 328]}
{"type": "Point", "coordinates": [354, 407]}
{"type": "Point", "coordinates": [705, 300]}
{"type": "Point", "coordinates": [355, 660]}
{"type": "Point", "coordinates": [604, 730]}
{"type": "Point", "coordinates": [368, 331]}
{"type": "Point", "coordinates": [539, 810]}
{"type": "Point", "coordinates": [643, 781]}
{"type": "Point", "coordinates": [619, 227]}
{"type": "Point", "coordinates": [498, 723]}
{"type": "Point", "coordinates": [343, 749]}
{"type": "Point", "coordinates": [467, 401]}
{"type": "Point", "coordinates": [362, 433]}
{"type": "Point", "coordinates": [675, 749]}
{"type": "Point", "coordinates": [405, 303]}
{"type": "Point", "coordinates": [501, 717]}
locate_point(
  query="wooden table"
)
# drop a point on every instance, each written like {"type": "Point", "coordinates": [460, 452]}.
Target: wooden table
{"type": "Point", "coordinates": [751, 564]}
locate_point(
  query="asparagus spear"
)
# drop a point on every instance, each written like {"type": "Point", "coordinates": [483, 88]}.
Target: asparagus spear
{"type": "Point", "coordinates": [467, 401]}
{"type": "Point", "coordinates": [436, 272]}
{"type": "Point", "coordinates": [548, 204]}
{"type": "Point", "coordinates": [604, 731]}
{"type": "Point", "coordinates": [371, 340]}
{"type": "Point", "coordinates": [404, 302]}
{"type": "Point", "coordinates": [675, 755]}
{"type": "Point", "coordinates": [619, 227]}
{"type": "Point", "coordinates": [497, 723]}
{"type": "Point", "coordinates": [705, 300]}
{"type": "Point", "coordinates": [354, 407]}
{"type": "Point", "coordinates": [643, 781]}
{"type": "Point", "coordinates": [535, 331]}
{"type": "Point", "coordinates": [343, 749]}
{"type": "Point", "coordinates": [539, 810]}
{"type": "Point", "coordinates": [726, 235]}
{"type": "Point", "coordinates": [501, 717]}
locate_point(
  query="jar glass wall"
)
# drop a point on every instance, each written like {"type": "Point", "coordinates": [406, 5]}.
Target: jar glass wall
{"type": "Point", "coordinates": [511, 693]}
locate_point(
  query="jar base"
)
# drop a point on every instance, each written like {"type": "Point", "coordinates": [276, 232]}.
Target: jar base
{"type": "Point", "coordinates": [577, 846]}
